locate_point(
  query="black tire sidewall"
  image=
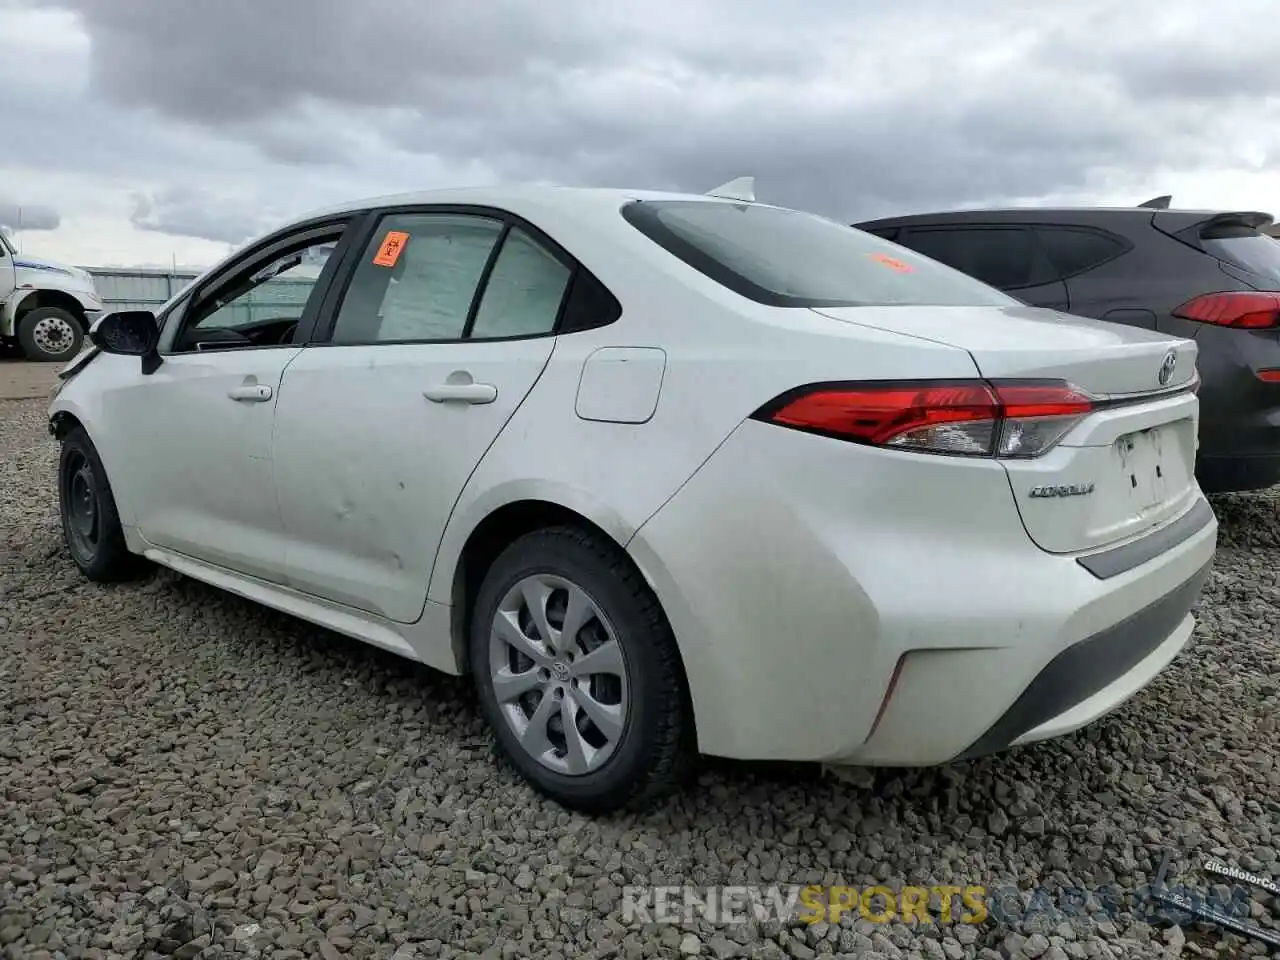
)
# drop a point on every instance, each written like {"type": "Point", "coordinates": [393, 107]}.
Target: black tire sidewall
{"type": "Point", "coordinates": [561, 553]}
{"type": "Point", "coordinates": [26, 341]}
{"type": "Point", "coordinates": [112, 559]}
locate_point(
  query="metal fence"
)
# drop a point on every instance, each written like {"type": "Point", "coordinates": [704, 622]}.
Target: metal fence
{"type": "Point", "coordinates": [137, 289]}
{"type": "Point", "coordinates": [123, 289]}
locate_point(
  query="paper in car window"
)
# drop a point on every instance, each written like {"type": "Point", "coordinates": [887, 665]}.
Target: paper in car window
{"type": "Point", "coordinates": [893, 263]}
{"type": "Point", "coordinates": [392, 246]}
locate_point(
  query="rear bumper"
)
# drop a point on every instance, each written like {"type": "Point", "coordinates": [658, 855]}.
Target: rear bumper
{"type": "Point", "coordinates": [848, 605]}
{"type": "Point", "coordinates": [1092, 677]}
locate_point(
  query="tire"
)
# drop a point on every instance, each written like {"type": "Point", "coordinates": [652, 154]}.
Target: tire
{"type": "Point", "coordinates": [90, 523]}
{"type": "Point", "coordinates": [50, 335]}
{"type": "Point", "coordinates": [643, 703]}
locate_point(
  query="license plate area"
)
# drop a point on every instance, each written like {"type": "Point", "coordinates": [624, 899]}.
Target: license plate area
{"type": "Point", "coordinates": [1144, 468]}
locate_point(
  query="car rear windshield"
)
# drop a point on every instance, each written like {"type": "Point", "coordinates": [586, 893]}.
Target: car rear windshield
{"type": "Point", "coordinates": [1255, 252]}
{"type": "Point", "coordinates": [788, 258]}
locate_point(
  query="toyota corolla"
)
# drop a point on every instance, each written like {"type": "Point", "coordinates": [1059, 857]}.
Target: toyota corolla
{"type": "Point", "coordinates": [664, 474]}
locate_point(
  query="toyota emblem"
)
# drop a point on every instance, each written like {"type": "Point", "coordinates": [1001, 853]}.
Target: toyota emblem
{"type": "Point", "coordinates": [1166, 369]}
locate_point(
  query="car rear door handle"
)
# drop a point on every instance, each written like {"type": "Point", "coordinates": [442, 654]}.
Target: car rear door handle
{"type": "Point", "coordinates": [253, 393]}
{"type": "Point", "coordinates": [462, 393]}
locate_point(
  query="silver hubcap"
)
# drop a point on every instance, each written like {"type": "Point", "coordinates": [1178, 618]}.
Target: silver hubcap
{"type": "Point", "coordinates": [559, 674]}
{"type": "Point", "coordinates": [53, 335]}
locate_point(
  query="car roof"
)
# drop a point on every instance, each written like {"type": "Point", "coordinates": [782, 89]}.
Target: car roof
{"type": "Point", "coordinates": [1084, 215]}
{"type": "Point", "coordinates": [516, 197]}
{"type": "Point", "coordinates": [531, 201]}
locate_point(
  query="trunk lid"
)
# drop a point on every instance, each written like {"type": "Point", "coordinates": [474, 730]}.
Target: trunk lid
{"type": "Point", "coordinates": [1106, 359]}
{"type": "Point", "coordinates": [1124, 469]}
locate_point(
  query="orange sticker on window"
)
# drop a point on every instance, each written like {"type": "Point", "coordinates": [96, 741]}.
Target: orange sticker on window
{"type": "Point", "coordinates": [892, 263]}
{"type": "Point", "coordinates": [392, 246]}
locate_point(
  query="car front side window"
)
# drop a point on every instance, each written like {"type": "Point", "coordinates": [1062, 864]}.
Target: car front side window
{"type": "Point", "coordinates": [283, 285]}
{"type": "Point", "coordinates": [261, 304]}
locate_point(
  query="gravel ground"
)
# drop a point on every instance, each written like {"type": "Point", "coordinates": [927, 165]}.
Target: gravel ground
{"type": "Point", "coordinates": [183, 773]}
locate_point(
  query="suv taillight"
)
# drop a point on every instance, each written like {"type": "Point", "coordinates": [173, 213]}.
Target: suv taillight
{"type": "Point", "coordinates": [1241, 310]}
{"type": "Point", "coordinates": [971, 418]}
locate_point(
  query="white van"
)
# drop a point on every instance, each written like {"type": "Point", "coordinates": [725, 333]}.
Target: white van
{"type": "Point", "coordinates": [45, 306]}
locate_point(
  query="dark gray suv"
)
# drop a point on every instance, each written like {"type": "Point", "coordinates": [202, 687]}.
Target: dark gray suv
{"type": "Point", "coordinates": [1213, 277]}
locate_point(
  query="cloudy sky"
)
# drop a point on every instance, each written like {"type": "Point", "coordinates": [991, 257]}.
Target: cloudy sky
{"type": "Point", "coordinates": [142, 131]}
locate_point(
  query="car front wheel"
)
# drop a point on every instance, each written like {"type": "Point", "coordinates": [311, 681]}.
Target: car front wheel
{"type": "Point", "coordinates": [90, 523]}
{"type": "Point", "coordinates": [578, 673]}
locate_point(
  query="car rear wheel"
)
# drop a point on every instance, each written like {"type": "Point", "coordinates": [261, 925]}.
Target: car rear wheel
{"type": "Point", "coordinates": [90, 523]}
{"type": "Point", "coordinates": [50, 335]}
{"type": "Point", "coordinates": [578, 674]}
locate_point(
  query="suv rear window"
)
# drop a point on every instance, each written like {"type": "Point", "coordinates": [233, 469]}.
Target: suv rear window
{"type": "Point", "coordinates": [788, 258]}
{"type": "Point", "coordinates": [1255, 252]}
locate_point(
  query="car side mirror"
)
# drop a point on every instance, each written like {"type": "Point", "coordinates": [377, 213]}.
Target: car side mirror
{"type": "Point", "coordinates": [128, 333]}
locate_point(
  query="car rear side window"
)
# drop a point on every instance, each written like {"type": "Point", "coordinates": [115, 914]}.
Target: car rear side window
{"type": "Point", "coordinates": [523, 292]}
{"type": "Point", "coordinates": [1001, 256]}
{"type": "Point", "coordinates": [1255, 252]}
{"type": "Point", "coordinates": [417, 279]}
{"type": "Point", "coordinates": [1072, 250]}
{"type": "Point", "coordinates": [789, 258]}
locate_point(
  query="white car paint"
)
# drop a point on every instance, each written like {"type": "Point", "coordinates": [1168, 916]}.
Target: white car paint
{"type": "Point", "coordinates": [621, 384]}
{"type": "Point", "coordinates": [812, 584]}
{"type": "Point", "coordinates": [211, 495]}
{"type": "Point", "coordinates": [348, 537]}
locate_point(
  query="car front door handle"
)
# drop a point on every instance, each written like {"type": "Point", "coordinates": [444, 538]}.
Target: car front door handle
{"type": "Point", "coordinates": [253, 393]}
{"type": "Point", "coordinates": [462, 393]}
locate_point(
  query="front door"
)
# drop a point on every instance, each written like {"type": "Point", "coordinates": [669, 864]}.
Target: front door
{"type": "Point", "coordinates": [445, 327]}
{"type": "Point", "coordinates": [196, 434]}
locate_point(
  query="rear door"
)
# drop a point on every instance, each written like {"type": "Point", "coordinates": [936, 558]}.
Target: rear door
{"type": "Point", "coordinates": [446, 323]}
{"type": "Point", "coordinates": [1007, 257]}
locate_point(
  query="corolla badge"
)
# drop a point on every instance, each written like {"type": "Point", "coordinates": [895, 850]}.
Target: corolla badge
{"type": "Point", "coordinates": [1062, 490]}
{"type": "Point", "coordinates": [1167, 367]}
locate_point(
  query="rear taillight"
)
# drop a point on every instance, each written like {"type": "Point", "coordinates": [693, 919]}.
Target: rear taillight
{"type": "Point", "coordinates": [971, 418]}
{"type": "Point", "coordinates": [1244, 311]}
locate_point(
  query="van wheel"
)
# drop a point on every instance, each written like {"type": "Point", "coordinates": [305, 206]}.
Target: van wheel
{"type": "Point", "coordinates": [50, 334]}
{"type": "Point", "coordinates": [90, 523]}
{"type": "Point", "coordinates": [578, 673]}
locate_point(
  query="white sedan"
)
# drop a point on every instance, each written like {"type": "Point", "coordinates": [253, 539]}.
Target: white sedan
{"type": "Point", "coordinates": [665, 474]}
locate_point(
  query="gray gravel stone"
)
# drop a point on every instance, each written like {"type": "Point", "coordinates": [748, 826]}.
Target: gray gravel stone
{"type": "Point", "coordinates": [185, 774]}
